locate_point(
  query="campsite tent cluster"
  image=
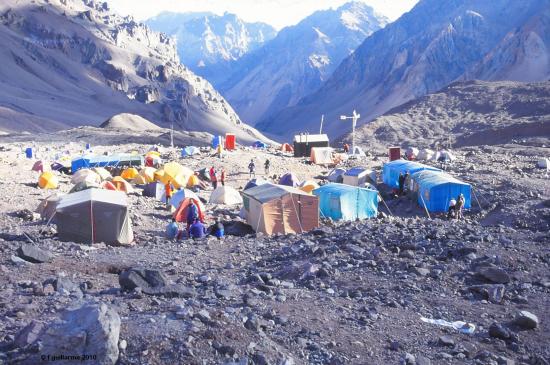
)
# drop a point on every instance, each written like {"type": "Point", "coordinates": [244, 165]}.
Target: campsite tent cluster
{"type": "Point", "coordinates": [433, 187]}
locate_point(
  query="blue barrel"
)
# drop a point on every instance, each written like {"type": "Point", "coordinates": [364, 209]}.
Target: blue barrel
{"type": "Point", "coordinates": [88, 146]}
{"type": "Point", "coordinates": [28, 152]}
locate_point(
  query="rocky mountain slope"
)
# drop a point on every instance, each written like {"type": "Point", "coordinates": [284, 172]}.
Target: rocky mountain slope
{"type": "Point", "coordinates": [298, 60]}
{"type": "Point", "coordinates": [436, 43]}
{"type": "Point", "coordinates": [466, 114]}
{"type": "Point", "coordinates": [73, 62]}
{"type": "Point", "coordinates": [208, 43]}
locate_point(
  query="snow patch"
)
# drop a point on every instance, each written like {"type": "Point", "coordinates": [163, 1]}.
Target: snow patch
{"type": "Point", "coordinates": [319, 61]}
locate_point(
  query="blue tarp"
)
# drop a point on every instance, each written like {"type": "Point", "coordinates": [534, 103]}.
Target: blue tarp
{"type": "Point", "coordinates": [259, 144]}
{"type": "Point", "coordinates": [345, 202]}
{"type": "Point", "coordinates": [436, 189]}
{"type": "Point", "coordinates": [216, 141]}
{"type": "Point", "coordinates": [86, 162]}
{"type": "Point", "coordinates": [190, 151]}
{"type": "Point", "coordinates": [391, 171]}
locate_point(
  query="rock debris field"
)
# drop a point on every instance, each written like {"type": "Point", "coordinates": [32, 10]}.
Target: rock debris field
{"type": "Point", "coordinates": [345, 293]}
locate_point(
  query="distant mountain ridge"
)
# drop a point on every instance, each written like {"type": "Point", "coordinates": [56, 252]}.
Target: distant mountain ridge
{"type": "Point", "coordinates": [208, 43]}
{"type": "Point", "coordinates": [74, 62]}
{"type": "Point", "coordinates": [298, 60]}
{"type": "Point", "coordinates": [466, 114]}
{"type": "Point", "coordinates": [436, 43]}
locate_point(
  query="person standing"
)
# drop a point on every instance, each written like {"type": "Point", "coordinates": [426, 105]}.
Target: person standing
{"type": "Point", "coordinates": [218, 230]}
{"type": "Point", "coordinates": [401, 181]}
{"type": "Point", "coordinates": [451, 213]}
{"type": "Point", "coordinates": [220, 151]}
{"type": "Point", "coordinates": [346, 148]}
{"type": "Point", "coordinates": [213, 178]}
{"type": "Point", "coordinates": [222, 177]}
{"type": "Point", "coordinates": [168, 194]}
{"type": "Point", "coordinates": [460, 206]}
{"type": "Point", "coordinates": [267, 165]}
{"type": "Point", "coordinates": [252, 169]}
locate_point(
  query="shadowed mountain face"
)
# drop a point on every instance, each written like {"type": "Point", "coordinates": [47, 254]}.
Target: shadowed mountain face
{"type": "Point", "coordinates": [436, 43]}
{"type": "Point", "coordinates": [73, 62]}
{"type": "Point", "coordinates": [208, 43]}
{"type": "Point", "coordinates": [298, 60]}
{"type": "Point", "coordinates": [465, 114]}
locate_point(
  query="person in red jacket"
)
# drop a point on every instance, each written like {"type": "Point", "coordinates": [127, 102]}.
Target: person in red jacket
{"type": "Point", "coordinates": [222, 177]}
{"type": "Point", "coordinates": [213, 178]}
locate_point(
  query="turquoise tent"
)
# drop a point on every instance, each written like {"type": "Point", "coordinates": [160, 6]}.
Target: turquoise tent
{"type": "Point", "coordinates": [391, 171]}
{"type": "Point", "coordinates": [436, 189]}
{"type": "Point", "coordinates": [190, 151]}
{"type": "Point", "coordinates": [345, 202]}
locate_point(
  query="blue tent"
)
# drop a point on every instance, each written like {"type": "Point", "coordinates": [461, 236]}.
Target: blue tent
{"type": "Point", "coordinates": [436, 189]}
{"type": "Point", "coordinates": [339, 201]}
{"type": "Point", "coordinates": [391, 171]}
{"type": "Point", "coordinates": [259, 144]}
{"type": "Point", "coordinates": [254, 182]}
{"type": "Point", "coordinates": [190, 151]}
{"type": "Point", "coordinates": [216, 141]}
{"type": "Point", "coordinates": [89, 161]}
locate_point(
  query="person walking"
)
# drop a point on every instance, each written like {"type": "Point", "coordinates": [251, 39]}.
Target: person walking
{"type": "Point", "coordinates": [168, 191]}
{"type": "Point", "coordinates": [222, 177]}
{"type": "Point", "coordinates": [213, 178]}
{"type": "Point", "coordinates": [267, 165]}
{"type": "Point", "coordinates": [252, 169]}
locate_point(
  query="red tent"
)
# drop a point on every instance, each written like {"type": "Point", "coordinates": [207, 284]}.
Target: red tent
{"type": "Point", "coordinates": [180, 215]}
{"type": "Point", "coordinates": [285, 147]}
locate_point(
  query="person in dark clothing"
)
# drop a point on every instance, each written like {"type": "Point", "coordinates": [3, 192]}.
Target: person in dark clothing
{"type": "Point", "coordinates": [197, 230]}
{"type": "Point", "coordinates": [252, 169]}
{"type": "Point", "coordinates": [346, 148]}
{"type": "Point", "coordinates": [401, 181]}
{"type": "Point", "coordinates": [267, 165]}
{"type": "Point", "coordinates": [192, 214]}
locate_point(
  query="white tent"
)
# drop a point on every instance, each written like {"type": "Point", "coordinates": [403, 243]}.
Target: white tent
{"type": "Point", "coordinates": [543, 164]}
{"type": "Point", "coordinates": [225, 195]}
{"type": "Point", "coordinates": [357, 152]}
{"type": "Point", "coordinates": [412, 153]}
{"type": "Point", "coordinates": [322, 156]}
{"type": "Point", "coordinates": [425, 155]}
{"type": "Point", "coordinates": [359, 176]}
{"type": "Point", "coordinates": [446, 156]}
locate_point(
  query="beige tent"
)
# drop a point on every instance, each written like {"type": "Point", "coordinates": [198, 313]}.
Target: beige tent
{"type": "Point", "coordinates": [94, 215]}
{"type": "Point", "coordinates": [274, 209]}
{"type": "Point", "coordinates": [225, 195]}
{"type": "Point", "coordinates": [48, 206]}
{"type": "Point", "coordinates": [322, 156]}
{"type": "Point", "coordinates": [85, 175]}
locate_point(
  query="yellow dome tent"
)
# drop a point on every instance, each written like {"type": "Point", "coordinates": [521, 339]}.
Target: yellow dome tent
{"type": "Point", "coordinates": [159, 175]}
{"type": "Point", "coordinates": [122, 185]}
{"type": "Point", "coordinates": [139, 180]}
{"type": "Point", "coordinates": [148, 174]}
{"type": "Point", "coordinates": [129, 173]}
{"type": "Point", "coordinates": [193, 181]}
{"type": "Point", "coordinates": [48, 180]}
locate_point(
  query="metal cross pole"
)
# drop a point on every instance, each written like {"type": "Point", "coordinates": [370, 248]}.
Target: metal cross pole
{"type": "Point", "coordinates": [322, 120]}
{"type": "Point", "coordinates": [355, 117]}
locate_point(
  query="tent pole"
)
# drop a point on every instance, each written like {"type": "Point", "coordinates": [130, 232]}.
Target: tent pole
{"type": "Point", "coordinates": [424, 203]}
{"type": "Point", "coordinates": [92, 219]}
{"type": "Point", "coordinates": [47, 223]}
{"type": "Point", "coordinates": [297, 214]}
{"type": "Point", "coordinates": [383, 201]}
{"type": "Point", "coordinates": [475, 196]}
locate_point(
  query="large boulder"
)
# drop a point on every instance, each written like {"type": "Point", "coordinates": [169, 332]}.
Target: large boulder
{"type": "Point", "coordinates": [34, 254]}
{"type": "Point", "coordinates": [494, 275]}
{"type": "Point", "coordinates": [152, 282]}
{"type": "Point", "coordinates": [92, 329]}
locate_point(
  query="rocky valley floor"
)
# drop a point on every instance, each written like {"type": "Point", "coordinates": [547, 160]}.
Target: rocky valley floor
{"type": "Point", "coordinates": [346, 293]}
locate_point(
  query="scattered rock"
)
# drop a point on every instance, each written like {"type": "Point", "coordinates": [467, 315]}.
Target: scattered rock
{"type": "Point", "coordinates": [494, 275]}
{"type": "Point", "coordinates": [526, 320]}
{"type": "Point", "coordinates": [497, 330]}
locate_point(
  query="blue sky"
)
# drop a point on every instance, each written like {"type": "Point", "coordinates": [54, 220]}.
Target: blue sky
{"type": "Point", "coordinates": [279, 13]}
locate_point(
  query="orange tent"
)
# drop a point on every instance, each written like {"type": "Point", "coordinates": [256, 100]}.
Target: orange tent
{"type": "Point", "coordinates": [108, 185]}
{"type": "Point", "coordinates": [129, 173]}
{"type": "Point", "coordinates": [180, 215]}
{"type": "Point", "coordinates": [48, 180]}
{"type": "Point", "coordinates": [122, 185]}
{"type": "Point", "coordinates": [285, 147]}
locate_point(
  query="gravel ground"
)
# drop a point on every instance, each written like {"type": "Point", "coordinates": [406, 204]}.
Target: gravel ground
{"type": "Point", "coordinates": [347, 293]}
